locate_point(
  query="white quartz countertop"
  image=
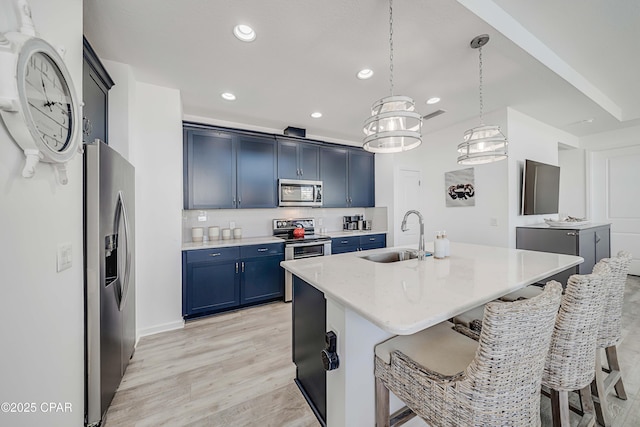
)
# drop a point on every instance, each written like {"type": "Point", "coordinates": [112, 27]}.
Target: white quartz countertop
{"type": "Point", "coordinates": [408, 296]}
{"type": "Point", "coordinates": [189, 246]}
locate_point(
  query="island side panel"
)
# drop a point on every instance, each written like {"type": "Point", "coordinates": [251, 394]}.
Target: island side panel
{"type": "Point", "coordinates": [351, 387]}
{"type": "Point", "coordinates": [309, 325]}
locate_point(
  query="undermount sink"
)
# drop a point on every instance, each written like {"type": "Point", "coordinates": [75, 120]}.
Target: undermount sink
{"type": "Point", "coordinates": [394, 256]}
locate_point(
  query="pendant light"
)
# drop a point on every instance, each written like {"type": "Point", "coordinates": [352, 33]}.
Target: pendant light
{"type": "Point", "coordinates": [484, 143]}
{"type": "Point", "coordinates": [394, 125]}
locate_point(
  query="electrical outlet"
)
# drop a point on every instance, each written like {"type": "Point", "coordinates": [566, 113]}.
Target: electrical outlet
{"type": "Point", "coordinates": [202, 216]}
{"type": "Point", "coordinates": [64, 257]}
{"type": "Point", "coordinates": [493, 222]}
{"type": "Point", "coordinates": [232, 224]}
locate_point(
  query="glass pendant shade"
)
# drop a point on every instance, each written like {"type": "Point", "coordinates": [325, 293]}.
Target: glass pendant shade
{"type": "Point", "coordinates": [394, 126]}
{"type": "Point", "coordinates": [482, 144]}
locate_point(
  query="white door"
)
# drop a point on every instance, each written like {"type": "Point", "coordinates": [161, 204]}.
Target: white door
{"type": "Point", "coordinates": [615, 175]}
{"type": "Point", "coordinates": [408, 190]}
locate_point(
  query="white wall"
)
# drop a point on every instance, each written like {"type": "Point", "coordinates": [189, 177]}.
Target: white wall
{"type": "Point", "coordinates": [433, 158]}
{"type": "Point", "coordinates": [145, 125]}
{"type": "Point", "coordinates": [41, 311]}
{"type": "Point", "coordinates": [157, 150]}
{"type": "Point", "coordinates": [534, 140]}
{"type": "Point", "coordinates": [573, 178]}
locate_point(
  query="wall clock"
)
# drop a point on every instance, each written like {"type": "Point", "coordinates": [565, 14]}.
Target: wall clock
{"type": "Point", "coordinates": [38, 102]}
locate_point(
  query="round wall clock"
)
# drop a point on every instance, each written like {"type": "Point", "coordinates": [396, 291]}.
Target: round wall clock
{"type": "Point", "coordinates": [38, 102]}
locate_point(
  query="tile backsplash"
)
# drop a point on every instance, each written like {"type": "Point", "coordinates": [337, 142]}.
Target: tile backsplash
{"type": "Point", "coordinates": [259, 222]}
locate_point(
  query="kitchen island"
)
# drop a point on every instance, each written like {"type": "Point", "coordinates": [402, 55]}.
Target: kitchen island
{"type": "Point", "coordinates": [365, 302]}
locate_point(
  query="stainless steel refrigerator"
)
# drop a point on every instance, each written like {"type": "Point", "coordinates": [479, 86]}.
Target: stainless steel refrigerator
{"type": "Point", "coordinates": [109, 275]}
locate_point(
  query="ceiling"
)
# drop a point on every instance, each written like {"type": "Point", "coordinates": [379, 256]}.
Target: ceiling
{"type": "Point", "coordinates": [562, 62]}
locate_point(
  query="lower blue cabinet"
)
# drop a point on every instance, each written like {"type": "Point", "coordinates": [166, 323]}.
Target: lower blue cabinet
{"type": "Point", "coordinates": [262, 279]}
{"type": "Point", "coordinates": [341, 245]}
{"type": "Point", "coordinates": [215, 280]}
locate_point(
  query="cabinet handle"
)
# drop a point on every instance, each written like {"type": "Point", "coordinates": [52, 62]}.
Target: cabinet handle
{"type": "Point", "coordinates": [236, 268]}
{"type": "Point", "coordinates": [301, 172]}
{"type": "Point", "coordinates": [239, 201]}
{"type": "Point", "coordinates": [372, 239]}
{"type": "Point", "coordinates": [572, 233]}
{"type": "Point", "coordinates": [344, 242]}
{"type": "Point", "coordinates": [243, 266]}
{"type": "Point", "coordinates": [262, 249]}
{"type": "Point", "coordinates": [216, 254]}
{"type": "Point", "coordinates": [233, 201]}
{"type": "Point", "coordinates": [297, 171]}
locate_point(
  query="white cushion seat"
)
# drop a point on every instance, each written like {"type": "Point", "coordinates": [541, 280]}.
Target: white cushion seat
{"type": "Point", "coordinates": [438, 348]}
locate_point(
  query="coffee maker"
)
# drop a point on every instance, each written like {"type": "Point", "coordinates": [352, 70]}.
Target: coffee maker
{"type": "Point", "coordinates": [355, 222]}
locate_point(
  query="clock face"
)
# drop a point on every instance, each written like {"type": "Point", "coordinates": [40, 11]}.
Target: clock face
{"type": "Point", "coordinates": [49, 101]}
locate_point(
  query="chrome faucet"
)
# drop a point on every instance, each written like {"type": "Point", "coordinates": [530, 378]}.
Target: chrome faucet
{"type": "Point", "coordinates": [403, 227]}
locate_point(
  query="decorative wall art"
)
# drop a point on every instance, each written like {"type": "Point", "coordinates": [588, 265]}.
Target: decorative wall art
{"type": "Point", "coordinates": [459, 187]}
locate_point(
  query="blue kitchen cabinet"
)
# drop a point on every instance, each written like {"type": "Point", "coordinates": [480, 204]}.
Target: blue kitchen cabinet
{"type": "Point", "coordinates": [256, 172]}
{"type": "Point", "coordinates": [262, 276]}
{"type": "Point", "coordinates": [227, 169]}
{"type": "Point", "coordinates": [341, 245]}
{"type": "Point", "coordinates": [348, 177]}
{"type": "Point", "coordinates": [210, 281]}
{"type": "Point", "coordinates": [215, 280]}
{"type": "Point", "coordinates": [297, 159]}
{"type": "Point", "coordinates": [209, 169]}
{"type": "Point", "coordinates": [345, 244]}
{"type": "Point", "coordinates": [333, 174]}
{"type": "Point", "coordinates": [361, 179]}
{"type": "Point", "coordinates": [373, 241]}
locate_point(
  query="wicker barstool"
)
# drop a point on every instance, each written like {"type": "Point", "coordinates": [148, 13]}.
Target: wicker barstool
{"type": "Point", "coordinates": [451, 380]}
{"type": "Point", "coordinates": [609, 335]}
{"type": "Point", "coordinates": [570, 364]}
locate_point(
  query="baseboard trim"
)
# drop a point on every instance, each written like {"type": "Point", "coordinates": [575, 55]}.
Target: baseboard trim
{"type": "Point", "coordinates": [179, 324]}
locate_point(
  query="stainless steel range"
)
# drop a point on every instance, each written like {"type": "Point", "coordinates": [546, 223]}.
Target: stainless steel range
{"type": "Point", "coordinates": [307, 246]}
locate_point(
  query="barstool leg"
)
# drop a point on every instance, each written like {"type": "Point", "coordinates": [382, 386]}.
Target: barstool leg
{"type": "Point", "coordinates": [612, 360]}
{"type": "Point", "coordinates": [382, 404]}
{"type": "Point", "coordinates": [560, 408]}
{"type": "Point", "coordinates": [589, 416]}
{"type": "Point", "coordinates": [600, 393]}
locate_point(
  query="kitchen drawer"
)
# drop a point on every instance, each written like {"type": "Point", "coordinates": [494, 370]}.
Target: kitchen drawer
{"type": "Point", "coordinates": [378, 240]}
{"type": "Point", "coordinates": [261, 250]}
{"type": "Point", "coordinates": [213, 255]}
{"type": "Point", "coordinates": [345, 241]}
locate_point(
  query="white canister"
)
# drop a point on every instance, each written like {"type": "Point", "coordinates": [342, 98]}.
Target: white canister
{"type": "Point", "coordinates": [214, 233]}
{"type": "Point", "coordinates": [196, 234]}
{"type": "Point", "coordinates": [226, 233]}
{"type": "Point", "coordinates": [438, 246]}
{"type": "Point", "coordinates": [237, 233]}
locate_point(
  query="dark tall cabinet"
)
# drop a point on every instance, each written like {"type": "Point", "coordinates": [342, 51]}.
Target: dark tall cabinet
{"type": "Point", "coordinates": [591, 242]}
{"type": "Point", "coordinates": [96, 83]}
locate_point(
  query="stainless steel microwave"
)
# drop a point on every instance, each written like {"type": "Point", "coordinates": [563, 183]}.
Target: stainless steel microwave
{"type": "Point", "coordinates": [297, 192]}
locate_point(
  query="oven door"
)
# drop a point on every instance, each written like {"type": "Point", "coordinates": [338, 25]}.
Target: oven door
{"type": "Point", "coordinates": [293, 192]}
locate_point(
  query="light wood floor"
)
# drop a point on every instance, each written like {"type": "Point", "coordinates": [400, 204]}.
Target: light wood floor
{"type": "Point", "coordinates": [235, 369]}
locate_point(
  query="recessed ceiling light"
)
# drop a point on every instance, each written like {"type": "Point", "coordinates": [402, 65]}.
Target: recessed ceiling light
{"type": "Point", "coordinates": [433, 100]}
{"type": "Point", "coordinates": [365, 74]}
{"type": "Point", "coordinates": [228, 96]}
{"type": "Point", "coordinates": [316, 114]}
{"type": "Point", "coordinates": [244, 33]}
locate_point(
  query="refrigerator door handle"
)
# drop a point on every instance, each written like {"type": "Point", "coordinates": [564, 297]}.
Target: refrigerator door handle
{"type": "Point", "coordinates": [121, 214]}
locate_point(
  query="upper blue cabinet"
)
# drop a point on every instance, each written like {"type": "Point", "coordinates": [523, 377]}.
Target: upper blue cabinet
{"type": "Point", "coordinates": [297, 159]}
{"type": "Point", "coordinates": [348, 177]}
{"type": "Point", "coordinates": [224, 169]}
